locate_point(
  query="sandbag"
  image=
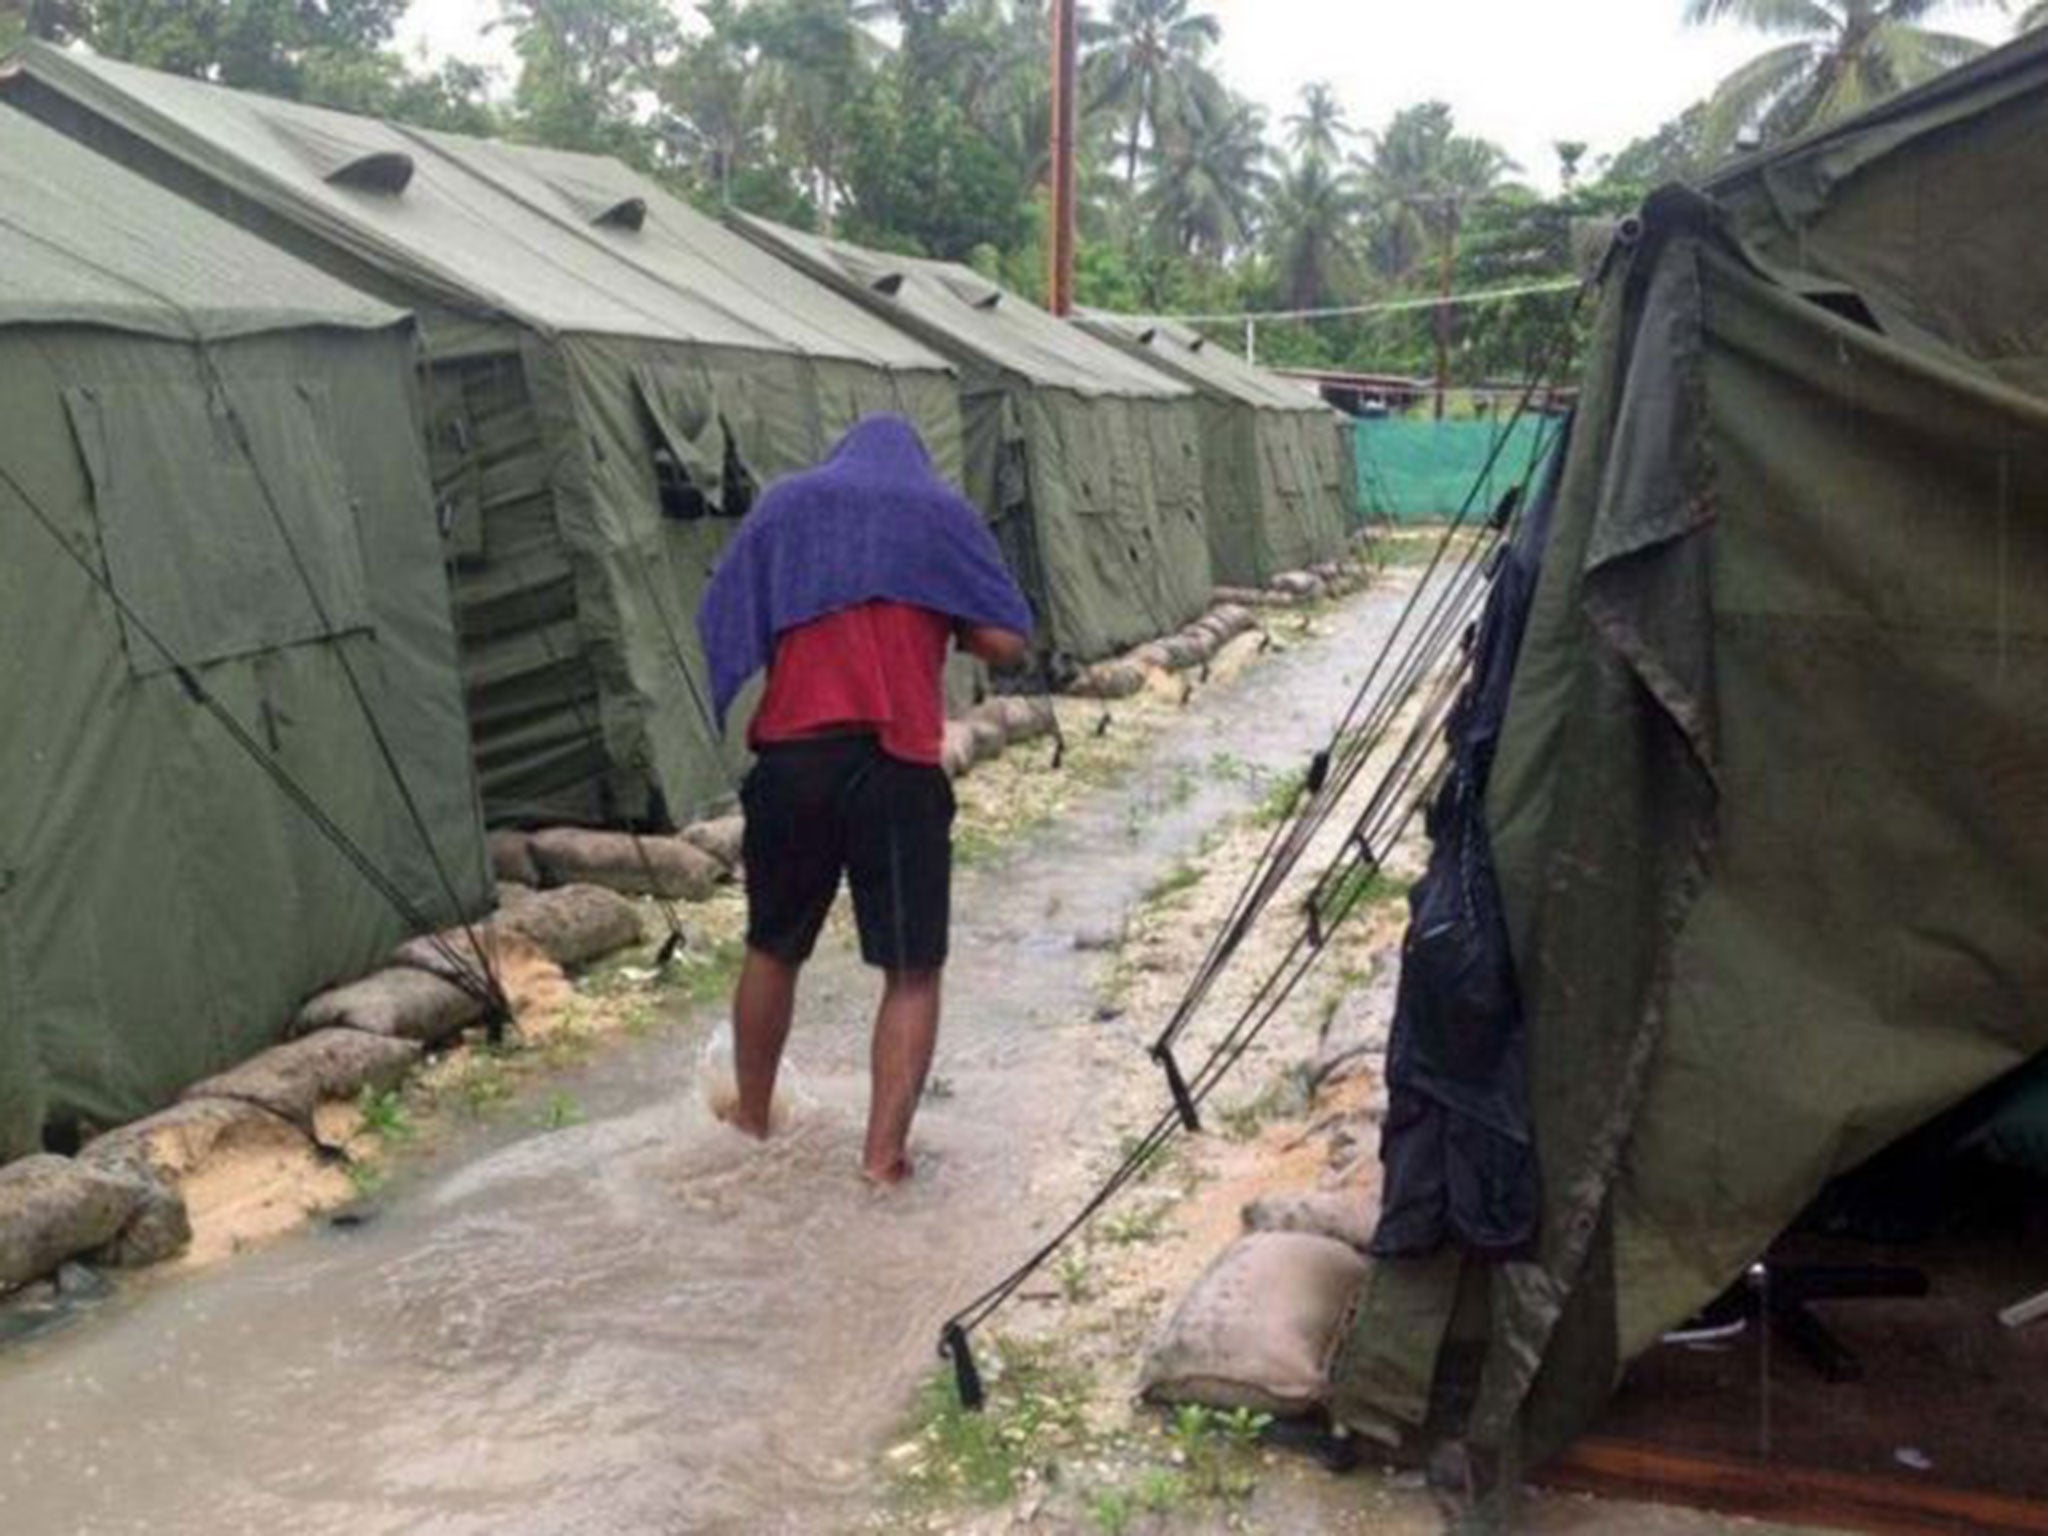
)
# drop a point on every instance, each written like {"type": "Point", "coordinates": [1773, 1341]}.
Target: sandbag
{"type": "Point", "coordinates": [989, 739]}
{"type": "Point", "coordinates": [52, 1208]}
{"type": "Point", "coordinates": [1109, 680]}
{"type": "Point", "coordinates": [1344, 1215]}
{"type": "Point", "coordinates": [172, 1142]}
{"type": "Point", "coordinates": [724, 839]}
{"type": "Point", "coordinates": [511, 857]}
{"type": "Point", "coordinates": [291, 1079]}
{"type": "Point", "coordinates": [573, 924]}
{"type": "Point", "coordinates": [1259, 1328]}
{"type": "Point", "coordinates": [404, 1002]}
{"type": "Point", "coordinates": [1026, 719]}
{"type": "Point", "coordinates": [637, 866]}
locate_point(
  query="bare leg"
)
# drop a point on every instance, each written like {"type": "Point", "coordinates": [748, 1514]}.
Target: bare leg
{"type": "Point", "coordinates": [762, 1005]}
{"type": "Point", "coordinates": [906, 1033]}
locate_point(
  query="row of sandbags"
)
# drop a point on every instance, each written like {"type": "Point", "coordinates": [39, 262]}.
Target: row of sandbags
{"type": "Point", "coordinates": [687, 866]}
{"type": "Point", "coordinates": [118, 1203]}
{"type": "Point", "coordinates": [1189, 648]}
{"type": "Point", "coordinates": [1294, 589]}
{"type": "Point", "coordinates": [690, 865]}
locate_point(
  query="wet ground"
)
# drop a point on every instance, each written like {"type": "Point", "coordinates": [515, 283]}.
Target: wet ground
{"type": "Point", "coordinates": [642, 1323]}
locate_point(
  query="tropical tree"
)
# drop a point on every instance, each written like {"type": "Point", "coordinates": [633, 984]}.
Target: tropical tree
{"type": "Point", "coordinates": [1146, 64]}
{"type": "Point", "coordinates": [1424, 178]}
{"type": "Point", "coordinates": [583, 65]}
{"type": "Point", "coordinates": [1840, 57]}
{"type": "Point", "coordinates": [817, 57]}
{"type": "Point", "coordinates": [1312, 227]}
{"type": "Point", "coordinates": [256, 44]}
{"type": "Point", "coordinates": [1319, 130]}
{"type": "Point", "coordinates": [716, 102]}
{"type": "Point", "coordinates": [1207, 179]}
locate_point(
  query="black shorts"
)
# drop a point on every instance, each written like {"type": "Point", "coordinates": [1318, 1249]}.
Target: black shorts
{"type": "Point", "coordinates": [840, 804]}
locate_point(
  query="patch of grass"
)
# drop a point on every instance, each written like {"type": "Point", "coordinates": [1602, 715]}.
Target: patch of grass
{"type": "Point", "coordinates": [1182, 877]}
{"type": "Point", "coordinates": [1245, 1119]}
{"type": "Point", "coordinates": [367, 1176]}
{"type": "Point", "coordinates": [1163, 1161]}
{"type": "Point", "coordinates": [1229, 768]}
{"type": "Point", "coordinates": [560, 1111]}
{"type": "Point", "coordinates": [1360, 886]}
{"type": "Point", "coordinates": [385, 1115]}
{"type": "Point", "coordinates": [974, 845]}
{"type": "Point", "coordinates": [707, 976]}
{"type": "Point", "coordinates": [1035, 1411]}
{"type": "Point", "coordinates": [1141, 1224]}
{"type": "Point", "coordinates": [1217, 1449]}
{"type": "Point", "coordinates": [1277, 803]}
{"type": "Point", "coordinates": [1076, 1277]}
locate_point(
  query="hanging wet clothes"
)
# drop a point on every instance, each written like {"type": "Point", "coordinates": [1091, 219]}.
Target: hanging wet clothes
{"type": "Point", "coordinates": [1457, 1147]}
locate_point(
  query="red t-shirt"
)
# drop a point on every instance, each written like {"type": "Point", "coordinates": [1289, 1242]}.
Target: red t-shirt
{"type": "Point", "coordinates": [877, 667]}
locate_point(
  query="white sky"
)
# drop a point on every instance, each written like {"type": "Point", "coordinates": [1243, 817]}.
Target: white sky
{"type": "Point", "coordinates": [1519, 73]}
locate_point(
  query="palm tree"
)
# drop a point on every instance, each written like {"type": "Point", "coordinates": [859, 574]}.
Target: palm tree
{"type": "Point", "coordinates": [1146, 64]}
{"type": "Point", "coordinates": [1843, 56]}
{"type": "Point", "coordinates": [1312, 229]}
{"type": "Point", "coordinates": [1318, 130]}
{"type": "Point", "coordinates": [1206, 183]}
{"type": "Point", "coordinates": [1424, 177]}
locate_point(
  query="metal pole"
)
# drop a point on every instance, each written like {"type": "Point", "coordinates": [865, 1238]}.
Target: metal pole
{"type": "Point", "coordinates": [1251, 339]}
{"type": "Point", "coordinates": [1065, 48]}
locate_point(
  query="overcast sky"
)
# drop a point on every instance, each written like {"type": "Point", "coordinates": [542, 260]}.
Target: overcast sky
{"type": "Point", "coordinates": [1521, 74]}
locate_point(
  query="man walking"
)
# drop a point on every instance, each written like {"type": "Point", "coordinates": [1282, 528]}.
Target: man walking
{"type": "Point", "coordinates": [847, 583]}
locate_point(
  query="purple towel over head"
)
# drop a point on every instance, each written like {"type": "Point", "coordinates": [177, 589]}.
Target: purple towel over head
{"type": "Point", "coordinates": [873, 523]}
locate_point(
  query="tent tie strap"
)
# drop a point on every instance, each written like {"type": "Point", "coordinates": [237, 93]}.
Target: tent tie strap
{"type": "Point", "coordinates": [1177, 1085]}
{"type": "Point", "coordinates": [953, 1346]}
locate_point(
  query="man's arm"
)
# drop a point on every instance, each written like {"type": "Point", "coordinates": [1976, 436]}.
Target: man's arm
{"type": "Point", "coordinates": [1002, 649]}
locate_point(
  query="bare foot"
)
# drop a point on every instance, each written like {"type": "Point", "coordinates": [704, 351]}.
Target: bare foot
{"type": "Point", "coordinates": [889, 1175]}
{"type": "Point", "coordinates": [729, 1112]}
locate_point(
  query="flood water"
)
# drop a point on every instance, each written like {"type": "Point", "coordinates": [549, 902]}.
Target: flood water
{"type": "Point", "coordinates": [643, 1323]}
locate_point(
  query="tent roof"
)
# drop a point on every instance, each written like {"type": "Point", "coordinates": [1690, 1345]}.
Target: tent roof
{"type": "Point", "coordinates": [970, 312]}
{"type": "Point", "coordinates": [637, 220]}
{"type": "Point", "coordinates": [402, 201]}
{"type": "Point", "coordinates": [1188, 354]}
{"type": "Point", "coordinates": [84, 242]}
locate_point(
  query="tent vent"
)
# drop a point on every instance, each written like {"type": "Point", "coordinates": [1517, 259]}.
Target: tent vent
{"type": "Point", "coordinates": [889, 284]}
{"type": "Point", "coordinates": [384, 170]}
{"type": "Point", "coordinates": [990, 299]}
{"type": "Point", "coordinates": [629, 213]}
{"type": "Point", "coordinates": [1198, 342]}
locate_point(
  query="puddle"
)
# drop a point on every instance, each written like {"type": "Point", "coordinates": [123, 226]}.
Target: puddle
{"type": "Point", "coordinates": [646, 1323]}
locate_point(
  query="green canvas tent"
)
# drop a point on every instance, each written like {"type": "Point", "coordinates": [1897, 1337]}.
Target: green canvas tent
{"type": "Point", "coordinates": [210, 481]}
{"type": "Point", "coordinates": [1276, 461]}
{"type": "Point", "coordinates": [1086, 460]}
{"type": "Point", "coordinates": [1768, 808]}
{"type": "Point", "coordinates": [610, 378]}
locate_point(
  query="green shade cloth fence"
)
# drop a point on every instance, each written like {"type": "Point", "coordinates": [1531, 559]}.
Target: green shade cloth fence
{"type": "Point", "coordinates": [1423, 471]}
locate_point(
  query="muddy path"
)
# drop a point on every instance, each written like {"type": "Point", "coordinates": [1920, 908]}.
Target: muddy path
{"type": "Point", "coordinates": [640, 1323]}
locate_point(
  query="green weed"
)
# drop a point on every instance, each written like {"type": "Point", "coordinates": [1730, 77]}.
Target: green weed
{"type": "Point", "coordinates": [560, 1112]}
{"type": "Point", "coordinates": [1277, 804]}
{"type": "Point", "coordinates": [1216, 1447]}
{"type": "Point", "coordinates": [385, 1115]}
{"type": "Point", "coordinates": [1034, 1411]}
{"type": "Point", "coordinates": [1143, 1224]}
{"type": "Point", "coordinates": [1184, 876]}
